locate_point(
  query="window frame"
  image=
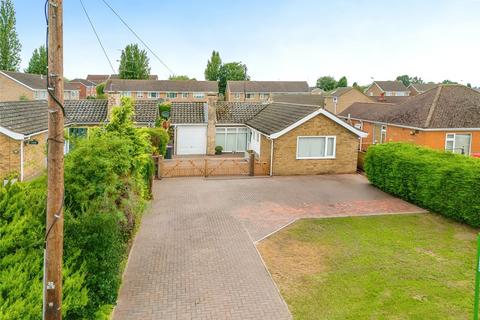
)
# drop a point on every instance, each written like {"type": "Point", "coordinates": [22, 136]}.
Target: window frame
{"type": "Point", "coordinates": [157, 94]}
{"type": "Point", "coordinates": [236, 96]}
{"type": "Point", "coordinates": [139, 94]}
{"type": "Point", "coordinates": [249, 95]}
{"type": "Point", "coordinates": [454, 134]}
{"type": "Point", "coordinates": [199, 95]}
{"type": "Point", "coordinates": [383, 134]}
{"type": "Point", "coordinates": [184, 95]}
{"type": "Point", "coordinates": [171, 95]}
{"type": "Point", "coordinates": [326, 148]}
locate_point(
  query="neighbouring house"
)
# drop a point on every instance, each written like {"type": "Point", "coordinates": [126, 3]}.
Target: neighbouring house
{"type": "Point", "coordinates": [261, 91]}
{"type": "Point", "coordinates": [168, 90]}
{"type": "Point", "coordinates": [26, 86]}
{"type": "Point", "coordinates": [311, 99]}
{"type": "Point", "coordinates": [85, 87]}
{"type": "Point", "coordinates": [24, 124]}
{"type": "Point", "coordinates": [291, 138]}
{"type": "Point", "coordinates": [339, 99]}
{"type": "Point", "coordinates": [417, 88]}
{"type": "Point", "coordinates": [387, 89]}
{"type": "Point", "coordinates": [315, 90]}
{"type": "Point", "coordinates": [446, 117]}
{"type": "Point", "coordinates": [100, 78]}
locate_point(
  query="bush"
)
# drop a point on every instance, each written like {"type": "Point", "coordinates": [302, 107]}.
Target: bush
{"type": "Point", "coordinates": [159, 139]}
{"type": "Point", "coordinates": [106, 181]}
{"type": "Point", "coordinates": [164, 110]}
{"type": "Point", "coordinates": [442, 182]}
{"type": "Point", "coordinates": [218, 150]}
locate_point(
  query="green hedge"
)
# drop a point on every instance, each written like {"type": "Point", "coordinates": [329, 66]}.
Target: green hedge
{"type": "Point", "coordinates": [106, 185]}
{"type": "Point", "coordinates": [445, 183]}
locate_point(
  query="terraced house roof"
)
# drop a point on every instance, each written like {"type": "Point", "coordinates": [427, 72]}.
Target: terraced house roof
{"type": "Point", "coordinates": [391, 85]}
{"type": "Point", "coordinates": [300, 98]}
{"type": "Point", "coordinates": [446, 106]}
{"type": "Point", "coordinates": [268, 86]}
{"type": "Point", "coordinates": [34, 81]}
{"type": "Point", "coordinates": [146, 112]}
{"type": "Point", "coordinates": [113, 85]}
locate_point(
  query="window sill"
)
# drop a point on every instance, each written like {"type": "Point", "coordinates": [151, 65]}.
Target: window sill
{"type": "Point", "coordinates": [316, 158]}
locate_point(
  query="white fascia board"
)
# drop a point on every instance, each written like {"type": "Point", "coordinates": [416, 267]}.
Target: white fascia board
{"type": "Point", "coordinates": [15, 80]}
{"type": "Point", "coordinates": [12, 134]}
{"type": "Point", "coordinates": [313, 115]}
{"type": "Point", "coordinates": [189, 124]}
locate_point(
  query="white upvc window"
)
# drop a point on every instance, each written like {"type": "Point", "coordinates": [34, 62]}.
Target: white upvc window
{"type": "Point", "coordinates": [199, 95]}
{"type": "Point", "coordinates": [184, 95]}
{"type": "Point", "coordinates": [250, 95]}
{"type": "Point", "coordinates": [389, 93]}
{"type": "Point", "coordinates": [232, 139]}
{"type": "Point", "coordinates": [236, 96]}
{"type": "Point", "coordinates": [139, 94]}
{"type": "Point", "coordinates": [383, 134]}
{"type": "Point", "coordinates": [264, 96]}
{"type": "Point", "coordinates": [171, 95]}
{"type": "Point", "coordinates": [458, 143]}
{"type": "Point", "coordinates": [153, 95]}
{"type": "Point", "coordinates": [316, 147]}
{"type": "Point", "coordinates": [126, 93]}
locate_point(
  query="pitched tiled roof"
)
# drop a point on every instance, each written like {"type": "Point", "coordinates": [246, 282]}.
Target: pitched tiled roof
{"type": "Point", "coordinates": [300, 98]}
{"type": "Point", "coordinates": [390, 99]}
{"type": "Point", "coordinates": [113, 85]}
{"type": "Point", "coordinates": [278, 116]}
{"type": "Point", "coordinates": [338, 92]}
{"type": "Point", "coordinates": [391, 85]}
{"type": "Point", "coordinates": [422, 87]}
{"type": "Point", "coordinates": [24, 117]}
{"type": "Point", "coordinates": [373, 111]}
{"type": "Point", "coordinates": [86, 83]}
{"type": "Point", "coordinates": [237, 112]}
{"type": "Point", "coordinates": [99, 78]}
{"type": "Point", "coordinates": [446, 106]}
{"type": "Point", "coordinates": [268, 86]}
{"type": "Point", "coordinates": [88, 111]}
{"type": "Point", "coordinates": [146, 111]}
{"type": "Point", "coordinates": [186, 113]}
{"type": "Point", "coordinates": [34, 81]}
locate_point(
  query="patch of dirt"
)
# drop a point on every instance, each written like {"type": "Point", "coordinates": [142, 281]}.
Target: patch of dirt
{"type": "Point", "coordinates": [290, 261]}
{"type": "Point", "coordinates": [429, 253]}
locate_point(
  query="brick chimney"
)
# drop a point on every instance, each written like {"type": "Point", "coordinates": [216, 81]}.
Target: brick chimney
{"type": "Point", "coordinates": [211, 122]}
{"type": "Point", "coordinates": [113, 101]}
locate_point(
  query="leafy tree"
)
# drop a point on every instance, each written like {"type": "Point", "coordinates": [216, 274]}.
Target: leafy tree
{"type": "Point", "coordinates": [469, 85]}
{"type": "Point", "coordinates": [38, 62]}
{"type": "Point", "coordinates": [231, 71]}
{"type": "Point", "coordinates": [358, 87]}
{"type": "Point", "coordinates": [100, 91]}
{"type": "Point", "coordinates": [180, 77]}
{"type": "Point", "coordinates": [9, 44]}
{"type": "Point", "coordinates": [326, 83]}
{"type": "Point", "coordinates": [407, 80]}
{"type": "Point", "coordinates": [134, 63]}
{"type": "Point", "coordinates": [212, 71]}
{"type": "Point", "coordinates": [342, 83]}
{"type": "Point", "coordinates": [449, 82]}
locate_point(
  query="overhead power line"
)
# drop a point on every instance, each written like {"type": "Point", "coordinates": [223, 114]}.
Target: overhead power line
{"type": "Point", "coordinates": [138, 37]}
{"type": "Point", "coordinates": [98, 38]}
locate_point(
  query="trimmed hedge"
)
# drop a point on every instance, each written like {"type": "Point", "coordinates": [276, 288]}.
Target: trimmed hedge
{"type": "Point", "coordinates": [445, 183]}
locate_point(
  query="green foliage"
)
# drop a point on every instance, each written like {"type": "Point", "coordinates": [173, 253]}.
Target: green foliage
{"type": "Point", "coordinates": [449, 82]}
{"type": "Point", "coordinates": [106, 181]}
{"type": "Point", "coordinates": [442, 182]}
{"type": "Point", "coordinates": [38, 62]}
{"type": "Point", "coordinates": [218, 150]}
{"type": "Point", "coordinates": [23, 98]}
{"type": "Point", "coordinates": [212, 71]}
{"type": "Point", "coordinates": [180, 77]}
{"type": "Point", "coordinates": [134, 63]}
{"type": "Point", "coordinates": [159, 139]}
{"type": "Point", "coordinates": [9, 44]}
{"type": "Point", "coordinates": [342, 83]}
{"type": "Point", "coordinates": [100, 89]}
{"type": "Point", "coordinates": [326, 83]}
{"type": "Point", "coordinates": [164, 109]}
{"type": "Point", "coordinates": [231, 71]}
{"type": "Point", "coordinates": [407, 80]}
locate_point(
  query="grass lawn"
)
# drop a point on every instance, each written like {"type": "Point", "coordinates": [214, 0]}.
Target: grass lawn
{"type": "Point", "coordinates": [417, 266]}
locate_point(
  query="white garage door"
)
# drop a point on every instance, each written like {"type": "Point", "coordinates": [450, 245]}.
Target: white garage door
{"type": "Point", "coordinates": [191, 140]}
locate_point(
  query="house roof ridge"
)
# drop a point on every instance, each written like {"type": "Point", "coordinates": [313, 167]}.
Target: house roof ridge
{"type": "Point", "coordinates": [433, 106]}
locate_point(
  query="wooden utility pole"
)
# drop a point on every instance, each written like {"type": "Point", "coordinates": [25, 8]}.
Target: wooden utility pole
{"type": "Point", "coordinates": [52, 294]}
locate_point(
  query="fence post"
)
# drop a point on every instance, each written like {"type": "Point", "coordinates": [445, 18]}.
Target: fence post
{"type": "Point", "coordinates": [159, 167]}
{"type": "Point", "coordinates": [251, 167]}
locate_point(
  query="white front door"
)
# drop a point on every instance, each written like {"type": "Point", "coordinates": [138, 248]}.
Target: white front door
{"type": "Point", "coordinates": [191, 140]}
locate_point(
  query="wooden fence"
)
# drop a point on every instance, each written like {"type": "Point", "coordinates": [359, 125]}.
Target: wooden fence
{"type": "Point", "coordinates": [210, 167]}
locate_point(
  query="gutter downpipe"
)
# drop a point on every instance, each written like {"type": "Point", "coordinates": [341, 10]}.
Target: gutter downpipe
{"type": "Point", "coordinates": [271, 157]}
{"type": "Point", "coordinates": [21, 159]}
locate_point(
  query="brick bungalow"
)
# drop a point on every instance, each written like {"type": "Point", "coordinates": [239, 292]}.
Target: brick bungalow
{"type": "Point", "coordinates": [261, 91]}
{"type": "Point", "coordinates": [292, 139]}
{"type": "Point", "coordinates": [444, 118]}
{"type": "Point", "coordinates": [24, 124]}
{"type": "Point", "coordinates": [169, 90]}
{"type": "Point", "coordinates": [86, 88]}
{"type": "Point", "coordinates": [16, 86]}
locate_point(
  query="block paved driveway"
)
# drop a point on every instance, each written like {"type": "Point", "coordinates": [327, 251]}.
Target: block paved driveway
{"type": "Point", "coordinates": [194, 256]}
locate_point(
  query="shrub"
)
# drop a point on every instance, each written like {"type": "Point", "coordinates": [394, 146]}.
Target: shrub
{"type": "Point", "coordinates": [218, 150]}
{"type": "Point", "coordinates": [101, 91]}
{"type": "Point", "coordinates": [159, 139]}
{"type": "Point", "coordinates": [442, 182]}
{"type": "Point", "coordinates": [106, 182]}
{"type": "Point", "coordinates": [164, 110]}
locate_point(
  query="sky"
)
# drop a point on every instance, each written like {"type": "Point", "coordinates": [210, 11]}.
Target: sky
{"type": "Point", "coordinates": [276, 39]}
